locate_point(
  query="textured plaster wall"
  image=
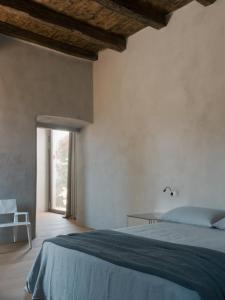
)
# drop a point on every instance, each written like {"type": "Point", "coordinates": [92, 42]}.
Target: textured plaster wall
{"type": "Point", "coordinates": [42, 196]}
{"type": "Point", "coordinates": [34, 81]}
{"type": "Point", "coordinates": [159, 119]}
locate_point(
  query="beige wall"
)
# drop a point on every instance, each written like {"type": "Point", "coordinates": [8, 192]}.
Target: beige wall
{"type": "Point", "coordinates": [42, 191]}
{"type": "Point", "coordinates": [34, 81]}
{"type": "Point", "coordinates": [159, 111]}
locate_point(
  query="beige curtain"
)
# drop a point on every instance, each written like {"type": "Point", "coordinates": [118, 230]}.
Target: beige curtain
{"type": "Point", "coordinates": [72, 177]}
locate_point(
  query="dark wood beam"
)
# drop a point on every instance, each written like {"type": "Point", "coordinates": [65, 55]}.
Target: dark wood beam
{"type": "Point", "coordinates": [43, 13]}
{"type": "Point", "coordinates": [144, 13]}
{"type": "Point", "coordinates": [206, 2]}
{"type": "Point", "coordinates": [41, 40]}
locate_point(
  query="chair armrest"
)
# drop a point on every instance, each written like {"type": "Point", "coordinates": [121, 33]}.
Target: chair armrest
{"type": "Point", "coordinates": [18, 213]}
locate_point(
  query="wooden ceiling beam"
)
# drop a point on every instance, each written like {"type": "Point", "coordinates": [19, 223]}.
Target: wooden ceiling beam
{"type": "Point", "coordinates": [206, 2]}
{"type": "Point", "coordinates": [43, 13]}
{"type": "Point", "coordinates": [144, 13]}
{"type": "Point", "coordinates": [16, 32]}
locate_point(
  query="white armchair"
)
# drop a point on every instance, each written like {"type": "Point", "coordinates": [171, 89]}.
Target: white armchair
{"type": "Point", "coordinates": [9, 206]}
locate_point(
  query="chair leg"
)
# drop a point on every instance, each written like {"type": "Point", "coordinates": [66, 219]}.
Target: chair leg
{"type": "Point", "coordinates": [29, 236]}
{"type": "Point", "coordinates": [15, 232]}
{"type": "Point", "coordinates": [15, 229]}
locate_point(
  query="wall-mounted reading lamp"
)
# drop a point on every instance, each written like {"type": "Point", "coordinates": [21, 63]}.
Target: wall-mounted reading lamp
{"type": "Point", "coordinates": [172, 191]}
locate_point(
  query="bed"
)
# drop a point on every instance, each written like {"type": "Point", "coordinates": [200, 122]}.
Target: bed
{"type": "Point", "coordinates": [60, 273]}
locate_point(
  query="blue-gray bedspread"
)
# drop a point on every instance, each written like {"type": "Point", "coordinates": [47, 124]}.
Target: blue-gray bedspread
{"type": "Point", "coordinates": [195, 268]}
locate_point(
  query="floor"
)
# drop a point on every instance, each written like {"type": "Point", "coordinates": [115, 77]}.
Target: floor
{"type": "Point", "coordinates": [16, 260]}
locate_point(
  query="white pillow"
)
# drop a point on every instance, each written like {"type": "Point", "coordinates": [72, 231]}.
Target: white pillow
{"type": "Point", "coordinates": [220, 224]}
{"type": "Point", "coordinates": [194, 215]}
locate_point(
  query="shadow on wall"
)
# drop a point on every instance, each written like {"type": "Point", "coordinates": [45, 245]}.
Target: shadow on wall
{"type": "Point", "coordinates": [5, 42]}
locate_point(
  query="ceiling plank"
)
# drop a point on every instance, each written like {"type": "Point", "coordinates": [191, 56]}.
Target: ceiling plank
{"type": "Point", "coordinates": [144, 13]}
{"type": "Point", "coordinates": [43, 13]}
{"type": "Point", "coordinates": [206, 2]}
{"type": "Point", "coordinates": [41, 40]}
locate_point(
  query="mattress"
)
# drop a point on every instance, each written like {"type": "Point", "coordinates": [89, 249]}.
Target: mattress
{"type": "Point", "coordinates": [61, 273]}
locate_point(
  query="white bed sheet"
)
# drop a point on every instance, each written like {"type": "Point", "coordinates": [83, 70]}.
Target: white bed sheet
{"type": "Point", "coordinates": [206, 237]}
